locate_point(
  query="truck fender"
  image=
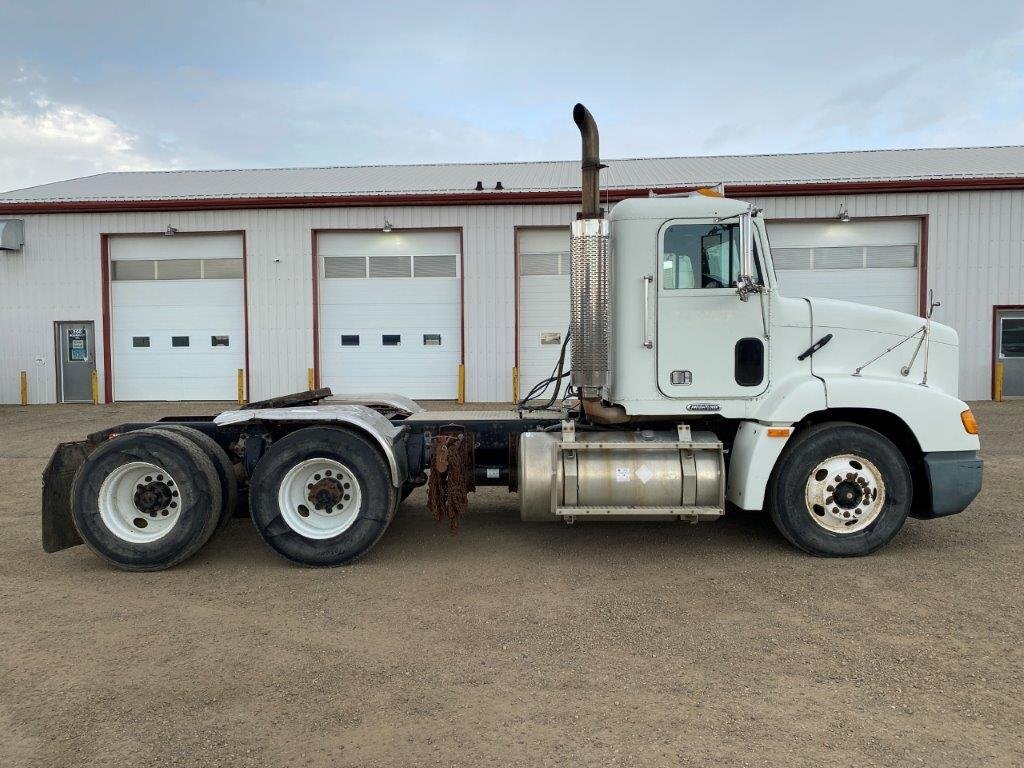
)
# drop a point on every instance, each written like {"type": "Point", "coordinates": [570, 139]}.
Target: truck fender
{"type": "Point", "coordinates": [751, 462]}
{"type": "Point", "coordinates": [359, 417]}
{"type": "Point", "coordinates": [932, 415]}
{"type": "Point", "coordinates": [754, 453]}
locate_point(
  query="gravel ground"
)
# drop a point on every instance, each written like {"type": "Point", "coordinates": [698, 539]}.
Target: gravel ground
{"type": "Point", "coordinates": [512, 643]}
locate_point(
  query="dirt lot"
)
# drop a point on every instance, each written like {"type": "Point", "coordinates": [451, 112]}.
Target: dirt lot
{"type": "Point", "coordinates": [613, 644]}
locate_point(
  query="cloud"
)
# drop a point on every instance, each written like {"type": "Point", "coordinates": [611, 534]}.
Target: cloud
{"type": "Point", "coordinates": [44, 141]}
{"type": "Point", "coordinates": [121, 85]}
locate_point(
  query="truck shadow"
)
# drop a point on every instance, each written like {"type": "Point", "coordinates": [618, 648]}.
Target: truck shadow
{"type": "Point", "coordinates": [492, 530]}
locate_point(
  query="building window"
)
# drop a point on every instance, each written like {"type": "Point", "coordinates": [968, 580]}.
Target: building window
{"type": "Point", "coordinates": [219, 341]}
{"type": "Point", "coordinates": [350, 340]}
{"type": "Point", "coordinates": [179, 341]}
{"type": "Point", "coordinates": [431, 339]}
{"type": "Point", "coordinates": [391, 339]}
{"type": "Point", "coordinates": [140, 341]}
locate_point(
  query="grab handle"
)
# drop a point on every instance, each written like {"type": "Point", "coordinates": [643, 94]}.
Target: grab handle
{"type": "Point", "coordinates": [648, 279]}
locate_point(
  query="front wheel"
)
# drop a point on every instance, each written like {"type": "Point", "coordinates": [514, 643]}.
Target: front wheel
{"type": "Point", "coordinates": [840, 490]}
{"type": "Point", "coordinates": [322, 496]}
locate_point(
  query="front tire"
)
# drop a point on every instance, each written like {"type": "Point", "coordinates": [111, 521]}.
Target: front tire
{"type": "Point", "coordinates": [840, 490]}
{"type": "Point", "coordinates": [322, 496]}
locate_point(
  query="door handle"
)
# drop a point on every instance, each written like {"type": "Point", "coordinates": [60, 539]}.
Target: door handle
{"type": "Point", "coordinates": [648, 279]}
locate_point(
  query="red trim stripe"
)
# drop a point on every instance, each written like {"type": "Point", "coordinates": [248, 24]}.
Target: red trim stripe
{"type": "Point", "coordinates": [500, 198]}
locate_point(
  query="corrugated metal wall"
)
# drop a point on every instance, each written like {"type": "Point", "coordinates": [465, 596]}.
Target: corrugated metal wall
{"type": "Point", "coordinates": [975, 250]}
{"type": "Point", "coordinates": [57, 277]}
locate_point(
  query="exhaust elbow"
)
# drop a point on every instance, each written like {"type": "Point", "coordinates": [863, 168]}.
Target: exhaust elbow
{"type": "Point", "coordinates": [591, 162]}
{"type": "Point", "coordinates": [599, 413]}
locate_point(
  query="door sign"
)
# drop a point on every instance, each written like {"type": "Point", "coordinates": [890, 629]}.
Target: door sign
{"type": "Point", "coordinates": [78, 348]}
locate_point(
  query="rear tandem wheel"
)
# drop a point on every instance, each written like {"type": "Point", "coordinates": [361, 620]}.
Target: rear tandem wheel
{"type": "Point", "coordinates": [146, 500]}
{"type": "Point", "coordinates": [322, 496]}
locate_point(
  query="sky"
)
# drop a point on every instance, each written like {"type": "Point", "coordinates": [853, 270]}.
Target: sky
{"type": "Point", "coordinates": [105, 85]}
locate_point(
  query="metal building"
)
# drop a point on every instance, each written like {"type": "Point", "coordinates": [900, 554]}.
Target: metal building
{"type": "Point", "coordinates": [446, 280]}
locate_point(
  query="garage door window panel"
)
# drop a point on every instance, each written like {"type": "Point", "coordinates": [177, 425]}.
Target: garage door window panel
{"type": "Point", "coordinates": [390, 266]}
{"type": "Point", "coordinates": [131, 269]}
{"type": "Point", "coordinates": [344, 267]}
{"type": "Point", "coordinates": [436, 266]}
{"type": "Point", "coordinates": [222, 269]}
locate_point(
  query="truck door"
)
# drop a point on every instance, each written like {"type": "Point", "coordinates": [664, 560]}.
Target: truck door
{"type": "Point", "coordinates": [710, 344]}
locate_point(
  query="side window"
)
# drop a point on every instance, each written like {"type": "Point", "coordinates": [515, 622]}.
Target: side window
{"type": "Point", "coordinates": [702, 256]}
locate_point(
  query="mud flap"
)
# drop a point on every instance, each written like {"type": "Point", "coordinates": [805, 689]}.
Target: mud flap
{"type": "Point", "coordinates": [58, 528]}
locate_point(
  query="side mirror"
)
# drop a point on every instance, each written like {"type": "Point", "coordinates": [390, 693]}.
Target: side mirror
{"type": "Point", "coordinates": [745, 283]}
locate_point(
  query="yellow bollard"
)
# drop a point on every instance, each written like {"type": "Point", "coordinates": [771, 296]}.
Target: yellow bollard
{"type": "Point", "coordinates": [95, 387]}
{"type": "Point", "coordinates": [997, 389]}
{"type": "Point", "coordinates": [24, 387]}
{"type": "Point", "coordinates": [241, 386]}
{"type": "Point", "coordinates": [515, 384]}
{"type": "Point", "coordinates": [462, 384]}
{"type": "Point", "coordinates": [310, 379]}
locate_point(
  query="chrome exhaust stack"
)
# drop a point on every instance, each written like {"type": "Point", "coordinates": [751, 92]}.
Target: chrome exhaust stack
{"type": "Point", "coordinates": [588, 273]}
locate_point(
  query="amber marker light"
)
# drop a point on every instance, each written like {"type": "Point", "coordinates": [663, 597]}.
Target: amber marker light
{"type": "Point", "coordinates": [970, 423]}
{"type": "Point", "coordinates": [779, 431]}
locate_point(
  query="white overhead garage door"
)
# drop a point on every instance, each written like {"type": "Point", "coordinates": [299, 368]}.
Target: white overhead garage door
{"type": "Point", "coordinates": [390, 312]}
{"type": "Point", "coordinates": [869, 262]}
{"type": "Point", "coordinates": [177, 316]}
{"type": "Point", "coordinates": [543, 302]}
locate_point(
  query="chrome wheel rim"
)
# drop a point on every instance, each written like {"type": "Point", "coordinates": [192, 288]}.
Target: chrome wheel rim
{"type": "Point", "coordinates": [845, 493]}
{"type": "Point", "coordinates": [140, 502]}
{"type": "Point", "coordinates": [319, 498]}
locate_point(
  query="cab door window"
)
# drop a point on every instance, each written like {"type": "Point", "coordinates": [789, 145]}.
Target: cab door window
{"type": "Point", "coordinates": [702, 256]}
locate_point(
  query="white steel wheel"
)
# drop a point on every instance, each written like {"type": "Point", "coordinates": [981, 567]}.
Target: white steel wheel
{"type": "Point", "coordinates": [845, 493]}
{"type": "Point", "coordinates": [139, 502]}
{"type": "Point", "coordinates": [319, 498]}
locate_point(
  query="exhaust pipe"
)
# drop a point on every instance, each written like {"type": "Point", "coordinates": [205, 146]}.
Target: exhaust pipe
{"type": "Point", "coordinates": [591, 163]}
{"type": "Point", "coordinates": [588, 272]}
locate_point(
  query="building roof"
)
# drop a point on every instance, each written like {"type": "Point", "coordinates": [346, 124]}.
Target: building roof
{"type": "Point", "coordinates": [749, 172]}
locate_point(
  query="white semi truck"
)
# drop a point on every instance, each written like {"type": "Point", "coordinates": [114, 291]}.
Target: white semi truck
{"type": "Point", "coordinates": [693, 385]}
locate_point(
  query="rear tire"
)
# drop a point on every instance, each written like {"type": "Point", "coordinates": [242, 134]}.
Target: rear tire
{"type": "Point", "coordinates": [146, 500]}
{"type": "Point", "coordinates": [840, 490]}
{"type": "Point", "coordinates": [322, 496]}
{"type": "Point", "coordinates": [221, 463]}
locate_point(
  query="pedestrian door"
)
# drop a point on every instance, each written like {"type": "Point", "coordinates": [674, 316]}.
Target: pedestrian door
{"type": "Point", "coordinates": [76, 360]}
{"type": "Point", "coordinates": [1010, 350]}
